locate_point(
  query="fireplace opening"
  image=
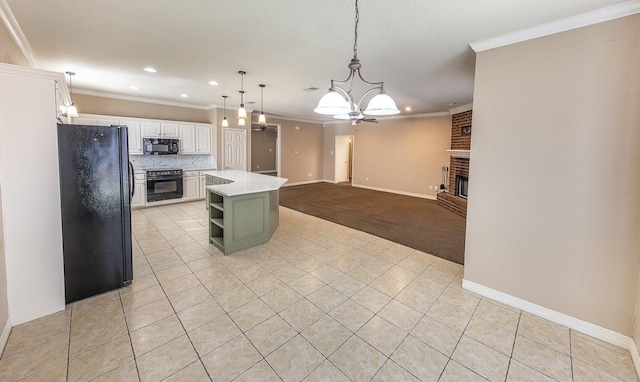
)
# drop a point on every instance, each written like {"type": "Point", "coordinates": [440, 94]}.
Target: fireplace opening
{"type": "Point", "coordinates": [462, 186]}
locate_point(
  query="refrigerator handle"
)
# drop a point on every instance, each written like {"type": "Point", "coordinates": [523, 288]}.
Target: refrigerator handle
{"type": "Point", "coordinates": [132, 184]}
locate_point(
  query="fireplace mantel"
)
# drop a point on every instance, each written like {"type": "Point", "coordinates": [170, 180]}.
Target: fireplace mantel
{"type": "Point", "coordinates": [459, 153]}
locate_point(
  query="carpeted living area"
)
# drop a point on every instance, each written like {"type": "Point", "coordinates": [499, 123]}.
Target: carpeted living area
{"type": "Point", "coordinates": [415, 222]}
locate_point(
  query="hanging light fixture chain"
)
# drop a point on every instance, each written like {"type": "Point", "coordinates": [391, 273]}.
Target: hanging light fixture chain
{"type": "Point", "coordinates": [355, 41]}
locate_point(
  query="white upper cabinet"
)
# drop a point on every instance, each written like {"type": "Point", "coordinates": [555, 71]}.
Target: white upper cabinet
{"type": "Point", "coordinates": [203, 139]}
{"type": "Point", "coordinates": [156, 129]}
{"type": "Point", "coordinates": [195, 138]}
{"type": "Point", "coordinates": [169, 130]}
{"type": "Point", "coordinates": [187, 139]}
{"type": "Point", "coordinates": [150, 129]}
{"type": "Point", "coordinates": [85, 121]}
{"type": "Point", "coordinates": [135, 138]}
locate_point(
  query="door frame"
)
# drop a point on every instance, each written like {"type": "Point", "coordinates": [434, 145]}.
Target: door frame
{"type": "Point", "coordinates": [351, 156]}
{"type": "Point", "coordinates": [224, 146]}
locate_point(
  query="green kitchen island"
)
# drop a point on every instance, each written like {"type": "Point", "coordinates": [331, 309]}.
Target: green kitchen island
{"type": "Point", "coordinates": [243, 208]}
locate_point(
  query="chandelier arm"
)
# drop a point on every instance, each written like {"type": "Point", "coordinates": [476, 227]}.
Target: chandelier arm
{"type": "Point", "coordinates": [366, 93]}
{"type": "Point", "coordinates": [379, 84]}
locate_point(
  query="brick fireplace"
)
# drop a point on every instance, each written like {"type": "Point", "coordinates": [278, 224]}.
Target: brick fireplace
{"type": "Point", "coordinates": [454, 198]}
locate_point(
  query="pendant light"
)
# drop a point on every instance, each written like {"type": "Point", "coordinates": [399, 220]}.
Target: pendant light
{"type": "Point", "coordinates": [72, 111]}
{"type": "Point", "coordinates": [225, 123]}
{"type": "Point", "coordinates": [262, 120]}
{"type": "Point", "coordinates": [339, 101]}
{"type": "Point", "coordinates": [242, 112]}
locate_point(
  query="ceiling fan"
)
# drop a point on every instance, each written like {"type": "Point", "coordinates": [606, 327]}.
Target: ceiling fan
{"type": "Point", "coordinates": [355, 117]}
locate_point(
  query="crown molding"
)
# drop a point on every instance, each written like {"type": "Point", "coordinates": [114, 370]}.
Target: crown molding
{"type": "Point", "coordinates": [627, 8]}
{"type": "Point", "coordinates": [461, 109]}
{"type": "Point", "coordinates": [136, 99]}
{"type": "Point", "coordinates": [14, 29]}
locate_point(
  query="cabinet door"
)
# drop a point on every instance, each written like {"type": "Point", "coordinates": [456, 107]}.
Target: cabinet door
{"type": "Point", "coordinates": [135, 138]}
{"type": "Point", "coordinates": [191, 188]}
{"type": "Point", "coordinates": [139, 193]}
{"type": "Point", "coordinates": [151, 129]}
{"type": "Point", "coordinates": [187, 139]}
{"type": "Point", "coordinates": [203, 187]}
{"type": "Point", "coordinates": [203, 139]}
{"type": "Point", "coordinates": [85, 121]}
{"type": "Point", "coordinates": [169, 130]}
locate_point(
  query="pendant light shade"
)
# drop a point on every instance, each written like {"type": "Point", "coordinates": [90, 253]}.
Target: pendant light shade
{"type": "Point", "coordinates": [242, 122]}
{"type": "Point", "coordinates": [339, 101]}
{"type": "Point", "coordinates": [262, 120]}
{"type": "Point", "coordinates": [242, 112]}
{"type": "Point", "coordinates": [225, 123]}
{"type": "Point", "coordinates": [72, 111]}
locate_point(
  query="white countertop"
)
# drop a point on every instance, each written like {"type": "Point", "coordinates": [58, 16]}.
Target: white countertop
{"type": "Point", "coordinates": [244, 182]}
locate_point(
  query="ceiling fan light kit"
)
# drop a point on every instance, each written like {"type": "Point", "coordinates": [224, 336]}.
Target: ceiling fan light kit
{"type": "Point", "coordinates": [339, 101]}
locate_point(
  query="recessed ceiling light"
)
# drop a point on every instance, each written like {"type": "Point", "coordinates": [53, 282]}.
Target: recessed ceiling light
{"type": "Point", "coordinates": [184, 95]}
{"type": "Point", "coordinates": [452, 103]}
{"type": "Point", "coordinates": [214, 83]}
{"type": "Point", "coordinates": [150, 70]}
{"type": "Point", "coordinates": [408, 108]}
{"type": "Point", "coordinates": [310, 89]}
{"type": "Point", "coordinates": [134, 87]}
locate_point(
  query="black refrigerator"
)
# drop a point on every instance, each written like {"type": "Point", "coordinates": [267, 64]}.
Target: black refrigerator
{"type": "Point", "coordinates": [96, 185]}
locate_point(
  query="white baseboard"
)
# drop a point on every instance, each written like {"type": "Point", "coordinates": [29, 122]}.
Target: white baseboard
{"type": "Point", "coordinates": [301, 183]}
{"type": "Point", "coordinates": [423, 196]}
{"type": "Point", "coordinates": [4, 337]}
{"type": "Point", "coordinates": [585, 327]}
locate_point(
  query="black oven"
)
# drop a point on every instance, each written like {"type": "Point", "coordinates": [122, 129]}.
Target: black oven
{"type": "Point", "coordinates": [164, 184]}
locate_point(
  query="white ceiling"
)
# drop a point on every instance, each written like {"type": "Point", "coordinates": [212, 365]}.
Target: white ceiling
{"type": "Point", "coordinates": [418, 48]}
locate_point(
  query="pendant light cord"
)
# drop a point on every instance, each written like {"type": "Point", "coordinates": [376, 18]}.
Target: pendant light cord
{"type": "Point", "coordinates": [355, 42]}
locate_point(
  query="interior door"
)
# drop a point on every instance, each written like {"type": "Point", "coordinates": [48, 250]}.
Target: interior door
{"type": "Point", "coordinates": [235, 149]}
{"type": "Point", "coordinates": [343, 159]}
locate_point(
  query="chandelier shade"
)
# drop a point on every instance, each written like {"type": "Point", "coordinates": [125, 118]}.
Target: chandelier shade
{"type": "Point", "coordinates": [381, 104]}
{"type": "Point", "coordinates": [332, 103]}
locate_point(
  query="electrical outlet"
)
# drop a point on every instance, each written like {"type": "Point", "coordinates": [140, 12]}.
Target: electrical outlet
{"type": "Point", "coordinates": [310, 174]}
{"type": "Point", "coordinates": [296, 152]}
{"type": "Point", "coordinates": [431, 187]}
{"type": "Point", "coordinates": [367, 179]}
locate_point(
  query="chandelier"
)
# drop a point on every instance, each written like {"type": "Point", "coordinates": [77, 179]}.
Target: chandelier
{"type": "Point", "coordinates": [339, 102]}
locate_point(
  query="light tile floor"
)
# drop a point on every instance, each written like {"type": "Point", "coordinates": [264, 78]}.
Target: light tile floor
{"type": "Point", "coordinates": [319, 302]}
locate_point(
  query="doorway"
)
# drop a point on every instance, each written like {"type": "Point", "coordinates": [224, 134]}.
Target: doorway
{"type": "Point", "coordinates": [234, 149]}
{"type": "Point", "coordinates": [344, 158]}
{"type": "Point", "coordinates": [265, 149]}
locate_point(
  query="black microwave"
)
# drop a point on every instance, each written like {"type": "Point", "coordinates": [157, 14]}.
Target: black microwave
{"type": "Point", "coordinates": [160, 146]}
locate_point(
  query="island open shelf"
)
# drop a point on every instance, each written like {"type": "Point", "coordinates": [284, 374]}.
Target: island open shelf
{"type": "Point", "coordinates": [243, 209]}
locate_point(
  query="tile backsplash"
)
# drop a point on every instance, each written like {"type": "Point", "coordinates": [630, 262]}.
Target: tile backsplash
{"type": "Point", "coordinates": [185, 162]}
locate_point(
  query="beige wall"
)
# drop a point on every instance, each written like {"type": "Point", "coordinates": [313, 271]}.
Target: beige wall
{"type": "Point", "coordinates": [308, 142]}
{"type": "Point", "coordinates": [263, 150]}
{"type": "Point", "coordinates": [404, 155]}
{"type": "Point", "coordinates": [554, 208]}
{"type": "Point", "coordinates": [10, 52]}
{"type": "Point", "coordinates": [87, 104]}
{"type": "Point", "coordinates": [4, 303]}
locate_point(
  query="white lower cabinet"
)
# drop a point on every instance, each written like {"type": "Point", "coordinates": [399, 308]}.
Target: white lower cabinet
{"type": "Point", "coordinates": [203, 186]}
{"type": "Point", "coordinates": [191, 189]}
{"type": "Point", "coordinates": [140, 191]}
